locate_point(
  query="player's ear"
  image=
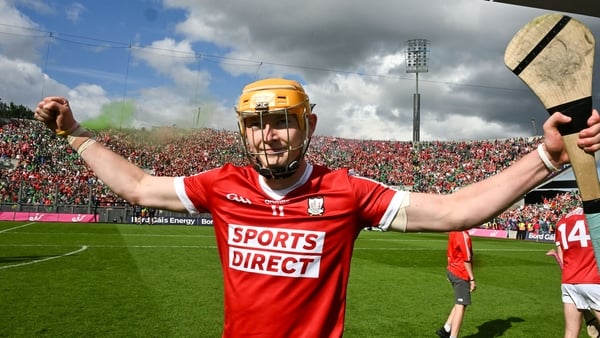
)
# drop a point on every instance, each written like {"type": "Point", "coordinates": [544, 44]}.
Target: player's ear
{"type": "Point", "coordinates": [312, 124]}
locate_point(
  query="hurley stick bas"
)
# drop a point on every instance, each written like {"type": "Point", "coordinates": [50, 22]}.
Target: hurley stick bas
{"type": "Point", "coordinates": [553, 55]}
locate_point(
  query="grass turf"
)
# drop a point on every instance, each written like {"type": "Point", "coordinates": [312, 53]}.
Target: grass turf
{"type": "Point", "coordinates": [74, 279]}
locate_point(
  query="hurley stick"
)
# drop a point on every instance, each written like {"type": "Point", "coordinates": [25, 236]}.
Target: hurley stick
{"type": "Point", "coordinates": [554, 56]}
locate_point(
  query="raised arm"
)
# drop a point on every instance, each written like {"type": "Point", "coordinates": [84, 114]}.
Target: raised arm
{"type": "Point", "coordinates": [121, 176]}
{"type": "Point", "coordinates": [475, 204]}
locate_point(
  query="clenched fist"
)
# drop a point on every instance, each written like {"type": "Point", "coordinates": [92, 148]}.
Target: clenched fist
{"type": "Point", "coordinates": [56, 114]}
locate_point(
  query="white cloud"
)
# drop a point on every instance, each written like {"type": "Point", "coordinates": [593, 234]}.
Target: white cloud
{"type": "Point", "coordinates": [73, 12]}
{"type": "Point", "coordinates": [87, 100]}
{"type": "Point", "coordinates": [17, 41]}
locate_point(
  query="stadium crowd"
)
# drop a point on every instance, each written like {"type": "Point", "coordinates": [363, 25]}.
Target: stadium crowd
{"type": "Point", "coordinates": [33, 172]}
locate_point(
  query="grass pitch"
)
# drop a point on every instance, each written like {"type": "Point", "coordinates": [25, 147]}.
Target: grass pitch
{"type": "Point", "coordinates": [117, 280]}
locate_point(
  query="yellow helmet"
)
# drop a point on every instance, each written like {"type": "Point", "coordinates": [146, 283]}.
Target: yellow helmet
{"type": "Point", "coordinates": [274, 96]}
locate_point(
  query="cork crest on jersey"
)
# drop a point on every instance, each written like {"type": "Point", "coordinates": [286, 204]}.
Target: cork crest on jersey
{"type": "Point", "coordinates": [316, 206]}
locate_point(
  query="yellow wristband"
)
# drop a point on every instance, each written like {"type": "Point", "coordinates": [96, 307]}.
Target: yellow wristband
{"type": "Point", "coordinates": [65, 133]}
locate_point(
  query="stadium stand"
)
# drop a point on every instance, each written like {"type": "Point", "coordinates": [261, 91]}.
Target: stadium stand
{"type": "Point", "coordinates": [39, 169]}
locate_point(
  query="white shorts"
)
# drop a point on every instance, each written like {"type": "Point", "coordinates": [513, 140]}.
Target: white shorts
{"type": "Point", "coordinates": [584, 296]}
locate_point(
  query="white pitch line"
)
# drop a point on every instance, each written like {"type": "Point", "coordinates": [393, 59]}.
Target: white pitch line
{"type": "Point", "coordinates": [444, 249]}
{"type": "Point", "coordinates": [158, 246]}
{"type": "Point", "coordinates": [109, 234]}
{"type": "Point", "coordinates": [140, 246]}
{"type": "Point", "coordinates": [20, 226]}
{"type": "Point", "coordinates": [116, 246]}
{"type": "Point", "coordinates": [45, 259]}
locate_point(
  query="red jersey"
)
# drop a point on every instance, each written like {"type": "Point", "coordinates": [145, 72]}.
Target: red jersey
{"type": "Point", "coordinates": [579, 263]}
{"type": "Point", "coordinates": [460, 250]}
{"type": "Point", "coordinates": [286, 254]}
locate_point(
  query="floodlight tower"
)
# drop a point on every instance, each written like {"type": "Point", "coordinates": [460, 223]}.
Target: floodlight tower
{"type": "Point", "coordinates": [417, 59]}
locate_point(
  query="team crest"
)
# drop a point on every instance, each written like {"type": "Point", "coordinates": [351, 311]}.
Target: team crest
{"type": "Point", "coordinates": [315, 206]}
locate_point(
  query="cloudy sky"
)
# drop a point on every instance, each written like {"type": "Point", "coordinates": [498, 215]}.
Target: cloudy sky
{"type": "Point", "coordinates": [184, 62]}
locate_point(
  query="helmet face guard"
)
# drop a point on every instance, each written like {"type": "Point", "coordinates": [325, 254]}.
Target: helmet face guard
{"type": "Point", "coordinates": [269, 97]}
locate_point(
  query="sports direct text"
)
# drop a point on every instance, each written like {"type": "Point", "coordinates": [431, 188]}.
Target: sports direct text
{"type": "Point", "coordinates": [275, 251]}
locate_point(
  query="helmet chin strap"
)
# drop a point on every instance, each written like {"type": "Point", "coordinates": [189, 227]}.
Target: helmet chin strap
{"type": "Point", "coordinates": [277, 172]}
{"type": "Point", "coordinates": [283, 171]}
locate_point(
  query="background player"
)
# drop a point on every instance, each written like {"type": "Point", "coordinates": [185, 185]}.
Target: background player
{"type": "Point", "coordinates": [580, 282]}
{"type": "Point", "coordinates": [462, 279]}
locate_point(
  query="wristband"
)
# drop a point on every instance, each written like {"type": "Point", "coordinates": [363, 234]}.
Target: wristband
{"type": "Point", "coordinates": [545, 159]}
{"type": "Point", "coordinates": [65, 133]}
{"type": "Point", "coordinates": [75, 133]}
{"type": "Point", "coordinates": [78, 131]}
{"type": "Point", "coordinates": [85, 145]}
{"type": "Point", "coordinates": [471, 280]}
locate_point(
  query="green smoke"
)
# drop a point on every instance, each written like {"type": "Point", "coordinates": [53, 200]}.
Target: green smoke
{"type": "Point", "coordinates": [114, 115]}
